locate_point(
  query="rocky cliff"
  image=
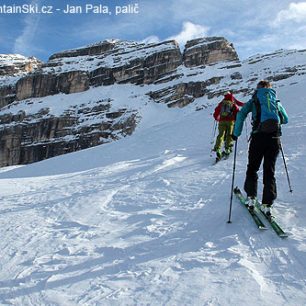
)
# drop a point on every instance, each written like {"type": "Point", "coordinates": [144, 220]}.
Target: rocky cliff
{"type": "Point", "coordinates": [92, 95]}
{"type": "Point", "coordinates": [209, 50]}
{"type": "Point", "coordinates": [12, 68]}
{"type": "Point", "coordinates": [15, 64]}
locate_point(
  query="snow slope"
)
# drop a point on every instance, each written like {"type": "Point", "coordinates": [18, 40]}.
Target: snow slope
{"type": "Point", "coordinates": [143, 221]}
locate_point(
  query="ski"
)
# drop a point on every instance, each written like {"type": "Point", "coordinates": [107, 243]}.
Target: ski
{"type": "Point", "coordinates": [255, 217]}
{"type": "Point", "coordinates": [271, 219]}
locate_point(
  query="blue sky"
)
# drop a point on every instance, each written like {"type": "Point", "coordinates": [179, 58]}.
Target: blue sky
{"type": "Point", "coordinates": [252, 26]}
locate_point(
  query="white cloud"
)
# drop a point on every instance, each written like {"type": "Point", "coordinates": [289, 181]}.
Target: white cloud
{"type": "Point", "coordinates": [151, 39]}
{"type": "Point", "coordinates": [190, 31]}
{"type": "Point", "coordinates": [296, 12]}
{"type": "Point", "coordinates": [23, 43]}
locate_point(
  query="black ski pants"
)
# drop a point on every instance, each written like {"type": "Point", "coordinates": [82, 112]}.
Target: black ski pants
{"type": "Point", "coordinates": [262, 147]}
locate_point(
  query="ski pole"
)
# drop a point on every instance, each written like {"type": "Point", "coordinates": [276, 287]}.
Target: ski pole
{"type": "Point", "coordinates": [213, 137]}
{"type": "Point", "coordinates": [214, 132]}
{"type": "Point", "coordinates": [233, 182]}
{"type": "Point", "coordinates": [283, 155]}
{"type": "Point", "coordinates": [246, 130]}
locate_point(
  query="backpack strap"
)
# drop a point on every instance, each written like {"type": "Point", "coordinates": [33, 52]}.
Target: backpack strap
{"type": "Point", "coordinates": [256, 120]}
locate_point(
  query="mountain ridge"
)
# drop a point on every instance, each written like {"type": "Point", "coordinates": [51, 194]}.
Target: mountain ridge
{"type": "Point", "coordinates": [34, 124]}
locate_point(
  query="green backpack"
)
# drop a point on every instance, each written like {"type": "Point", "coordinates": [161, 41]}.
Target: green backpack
{"type": "Point", "coordinates": [227, 109]}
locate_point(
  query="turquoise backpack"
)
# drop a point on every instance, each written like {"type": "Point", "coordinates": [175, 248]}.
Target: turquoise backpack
{"type": "Point", "coordinates": [267, 114]}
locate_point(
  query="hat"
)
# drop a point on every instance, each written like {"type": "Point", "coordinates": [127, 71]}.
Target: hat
{"type": "Point", "coordinates": [229, 96]}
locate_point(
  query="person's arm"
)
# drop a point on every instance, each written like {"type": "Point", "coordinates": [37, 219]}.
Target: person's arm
{"type": "Point", "coordinates": [217, 112]}
{"type": "Point", "coordinates": [283, 113]}
{"type": "Point", "coordinates": [241, 115]}
{"type": "Point", "coordinates": [235, 111]}
{"type": "Point", "coordinates": [239, 103]}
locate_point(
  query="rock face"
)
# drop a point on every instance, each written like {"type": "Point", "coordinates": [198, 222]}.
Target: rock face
{"type": "Point", "coordinates": [198, 53]}
{"type": "Point", "coordinates": [183, 94]}
{"type": "Point", "coordinates": [29, 138]}
{"type": "Point", "coordinates": [7, 95]}
{"type": "Point", "coordinates": [95, 49]}
{"type": "Point", "coordinates": [12, 68]}
{"type": "Point", "coordinates": [41, 85]}
{"type": "Point", "coordinates": [205, 51]}
{"type": "Point", "coordinates": [106, 63]}
{"type": "Point", "coordinates": [15, 64]}
{"type": "Point", "coordinates": [89, 96]}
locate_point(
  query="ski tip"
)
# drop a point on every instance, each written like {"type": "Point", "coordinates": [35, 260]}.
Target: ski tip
{"type": "Point", "coordinates": [285, 235]}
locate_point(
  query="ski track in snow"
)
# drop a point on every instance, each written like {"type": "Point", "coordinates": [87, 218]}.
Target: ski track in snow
{"type": "Point", "coordinates": [140, 232]}
{"type": "Point", "coordinates": [150, 229]}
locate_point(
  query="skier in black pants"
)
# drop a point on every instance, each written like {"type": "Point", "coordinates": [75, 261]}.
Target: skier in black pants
{"type": "Point", "coordinates": [267, 116]}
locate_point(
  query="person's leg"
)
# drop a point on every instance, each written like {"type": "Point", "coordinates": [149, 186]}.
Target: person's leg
{"type": "Point", "coordinates": [270, 156]}
{"type": "Point", "coordinates": [256, 150]}
{"type": "Point", "coordinates": [229, 139]}
{"type": "Point", "coordinates": [220, 137]}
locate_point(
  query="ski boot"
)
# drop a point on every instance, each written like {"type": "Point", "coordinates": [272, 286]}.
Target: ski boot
{"type": "Point", "coordinates": [226, 153]}
{"type": "Point", "coordinates": [250, 202]}
{"type": "Point", "coordinates": [219, 155]}
{"type": "Point", "coordinates": [266, 209]}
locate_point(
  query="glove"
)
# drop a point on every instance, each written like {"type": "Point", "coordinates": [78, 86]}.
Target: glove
{"type": "Point", "coordinates": [234, 137]}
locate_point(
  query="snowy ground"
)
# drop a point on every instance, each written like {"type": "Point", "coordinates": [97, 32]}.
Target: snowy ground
{"type": "Point", "coordinates": [143, 221]}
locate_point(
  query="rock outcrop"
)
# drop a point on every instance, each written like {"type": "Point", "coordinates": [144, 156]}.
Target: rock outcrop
{"type": "Point", "coordinates": [12, 68]}
{"type": "Point", "coordinates": [7, 95]}
{"type": "Point", "coordinates": [41, 85]}
{"type": "Point", "coordinates": [210, 50]}
{"type": "Point", "coordinates": [15, 64]}
{"type": "Point", "coordinates": [183, 94]}
{"type": "Point", "coordinates": [104, 64]}
{"type": "Point", "coordinates": [30, 138]}
{"type": "Point", "coordinates": [107, 63]}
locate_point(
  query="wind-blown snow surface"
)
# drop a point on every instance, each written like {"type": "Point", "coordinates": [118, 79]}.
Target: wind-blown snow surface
{"type": "Point", "coordinates": [143, 221]}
